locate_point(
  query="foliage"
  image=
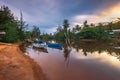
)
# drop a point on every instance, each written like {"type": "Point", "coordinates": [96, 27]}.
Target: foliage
{"type": "Point", "coordinates": [11, 32]}
{"type": "Point", "coordinates": [116, 24]}
{"type": "Point", "coordinates": [5, 15]}
{"type": "Point", "coordinates": [15, 29]}
{"type": "Point", "coordinates": [28, 34]}
{"type": "Point", "coordinates": [97, 32]}
{"type": "Point", "coordinates": [65, 24]}
{"type": "Point", "coordinates": [35, 32]}
{"type": "Point", "coordinates": [8, 24]}
{"type": "Point", "coordinates": [113, 25]}
{"type": "Point", "coordinates": [87, 33]}
{"type": "Point", "coordinates": [47, 37]}
{"type": "Point", "coordinates": [75, 29]}
{"type": "Point", "coordinates": [59, 36]}
{"type": "Point", "coordinates": [62, 32]}
{"type": "Point", "coordinates": [85, 24]}
{"type": "Point", "coordinates": [21, 28]}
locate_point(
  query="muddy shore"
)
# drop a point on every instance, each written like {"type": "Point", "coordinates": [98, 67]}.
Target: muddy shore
{"type": "Point", "coordinates": [14, 65]}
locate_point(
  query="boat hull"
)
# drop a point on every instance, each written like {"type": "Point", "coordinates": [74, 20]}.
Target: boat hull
{"type": "Point", "coordinates": [54, 45]}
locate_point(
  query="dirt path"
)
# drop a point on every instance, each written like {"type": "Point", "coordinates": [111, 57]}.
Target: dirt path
{"type": "Point", "coordinates": [14, 65]}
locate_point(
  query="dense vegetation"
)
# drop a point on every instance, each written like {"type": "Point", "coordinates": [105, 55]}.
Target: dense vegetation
{"type": "Point", "coordinates": [15, 29]}
{"type": "Point", "coordinates": [98, 32]}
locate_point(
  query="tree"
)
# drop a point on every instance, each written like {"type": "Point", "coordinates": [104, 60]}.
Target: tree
{"type": "Point", "coordinates": [116, 24]}
{"type": "Point", "coordinates": [92, 25]}
{"type": "Point", "coordinates": [98, 33]}
{"type": "Point", "coordinates": [36, 32]}
{"type": "Point", "coordinates": [47, 37]}
{"type": "Point", "coordinates": [11, 33]}
{"type": "Point", "coordinates": [15, 29]}
{"type": "Point", "coordinates": [9, 25]}
{"type": "Point", "coordinates": [110, 26]}
{"type": "Point", "coordinates": [77, 28]}
{"type": "Point", "coordinates": [59, 29]}
{"type": "Point", "coordinates": [87, 33]}
{"type": "Point", "coordinates": [21, 27]}
{"type": "Point", "coordinates": [5, 15]}
{"type": "Point", "coordinates": [65, 25]}
{"type": "Point", "coordinates": [85, 23]}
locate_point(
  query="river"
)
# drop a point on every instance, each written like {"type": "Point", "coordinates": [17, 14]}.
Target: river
{"type": "Point", "coordinates": [81, 62]}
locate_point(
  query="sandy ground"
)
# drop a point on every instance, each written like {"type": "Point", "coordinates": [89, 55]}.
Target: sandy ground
{"type": "Point", "coordinates": [14, 65]}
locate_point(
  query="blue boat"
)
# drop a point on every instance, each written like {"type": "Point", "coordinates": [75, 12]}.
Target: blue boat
{"type": "Point", "coordinates": [38, 41]}
{"type": "Point", "coordinates": [54, 45]}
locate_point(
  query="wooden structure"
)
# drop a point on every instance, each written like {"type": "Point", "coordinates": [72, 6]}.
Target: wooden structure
{"type": "Point", "coordinates": [116, 33]}
{"type": "Point", "coordinates": [2, 33]}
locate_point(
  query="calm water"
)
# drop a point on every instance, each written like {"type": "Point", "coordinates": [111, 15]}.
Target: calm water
{"type": "Point", "coordinates": [83, 62]}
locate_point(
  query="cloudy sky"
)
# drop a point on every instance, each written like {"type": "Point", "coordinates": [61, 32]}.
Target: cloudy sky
{"type": "Point", "coordinates": [49, 14]}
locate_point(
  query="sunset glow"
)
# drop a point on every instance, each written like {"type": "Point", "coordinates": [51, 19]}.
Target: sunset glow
{"type": "Point", "coordinates": [110, 14]}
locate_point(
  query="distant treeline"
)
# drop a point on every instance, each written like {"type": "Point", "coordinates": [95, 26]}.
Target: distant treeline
{"type": "Point", "coordinates": [16, 29]}
{"type": "Point", "coordinates": [99, 31]}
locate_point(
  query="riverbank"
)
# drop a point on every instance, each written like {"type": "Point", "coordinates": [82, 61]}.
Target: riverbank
{"type": "Point", "coordinates": [14, 65]}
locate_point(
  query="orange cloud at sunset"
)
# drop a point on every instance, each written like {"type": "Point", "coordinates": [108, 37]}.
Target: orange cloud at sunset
{"type": "Point", "coordinates": [110, 14]}
{"type": "Point", "coordinates": [105, 15]}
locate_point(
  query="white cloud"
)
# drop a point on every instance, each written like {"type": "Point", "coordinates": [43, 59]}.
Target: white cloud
{"type": "Point", "coordinates": [79, 19]}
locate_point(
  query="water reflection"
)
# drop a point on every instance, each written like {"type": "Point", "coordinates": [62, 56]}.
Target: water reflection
{"type": "Point", "coordinates": [67, 50]}
{"type": "Point", "coordinates": [40, 49]}
{"type": "Point", "coordinates": [85, 47]}
{"type": "Point", "coordinates": [91, 47]}
{"type": "Point", "coordinates": [80, 61]}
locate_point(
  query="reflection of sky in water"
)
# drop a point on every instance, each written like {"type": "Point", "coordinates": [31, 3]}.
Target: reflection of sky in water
{"type": "Point", "coordinates": [77, 66]}
{"type": "Point", "coordinates": [102, 57]}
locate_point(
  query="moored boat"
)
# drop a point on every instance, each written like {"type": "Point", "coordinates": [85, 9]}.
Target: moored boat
{"type": "Point", "coordinates": [39, 44]}
{"type": "Point", "coordinates": [54, 45]}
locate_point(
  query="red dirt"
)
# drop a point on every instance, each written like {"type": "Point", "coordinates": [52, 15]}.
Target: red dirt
{"type": "Point", "coordinates": [14, 65]}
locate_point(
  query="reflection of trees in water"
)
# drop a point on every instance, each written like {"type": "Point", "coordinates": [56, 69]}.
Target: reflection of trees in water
{"type": "Point", "coordinates": [91, 47]}
{"type": "Point", "coordinates": [85, 53]}
{"type": "Point", "coordinates": [67, 50]}
{"type": "Point", "coordinates": [66, 54]}
{"type": "Point", "coordinates": [40, 49]}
